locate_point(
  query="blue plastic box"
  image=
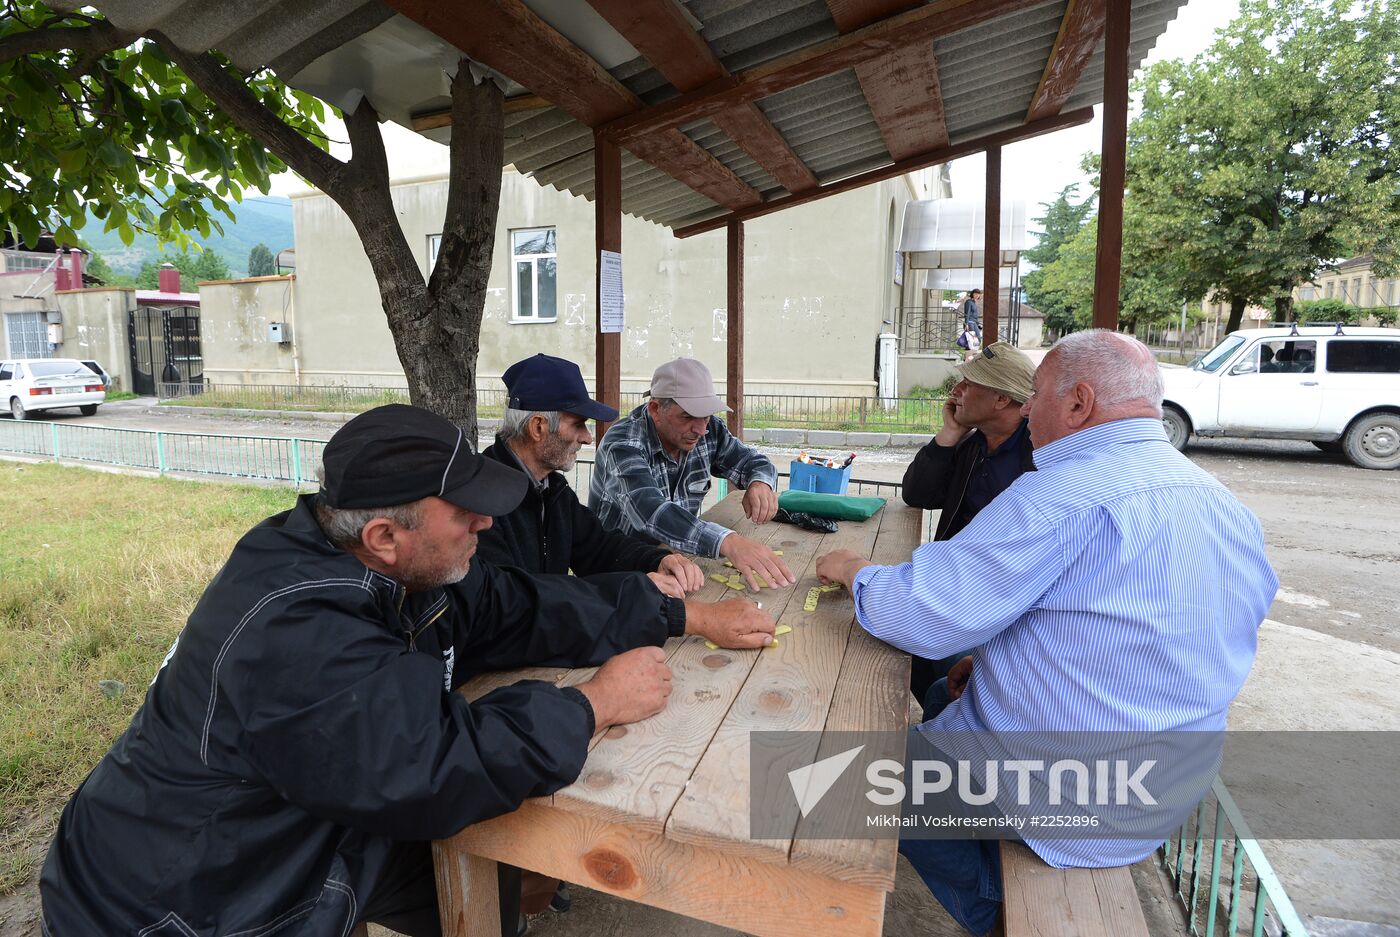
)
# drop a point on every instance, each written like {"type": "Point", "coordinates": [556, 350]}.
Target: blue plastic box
{"type": "Point", "coordinates": [819, 478]}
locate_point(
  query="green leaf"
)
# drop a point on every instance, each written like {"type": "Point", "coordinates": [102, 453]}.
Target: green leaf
{"type": "Point", "coordinates": [127, 234]}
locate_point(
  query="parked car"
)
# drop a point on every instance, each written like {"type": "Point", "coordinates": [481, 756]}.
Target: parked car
{"type": "Point", "coordinates": [96, 368]}
{"type": "Point", "coordinates": [32, 385]}
{"type": "Point", "coordinates": [1333, 385]}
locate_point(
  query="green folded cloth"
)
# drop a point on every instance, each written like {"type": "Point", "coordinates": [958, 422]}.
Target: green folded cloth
{"type": "Point", "coordinates": [840, 507]}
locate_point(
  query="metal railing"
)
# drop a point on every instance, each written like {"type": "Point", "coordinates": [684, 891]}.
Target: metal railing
{"type": "Point", "coordinates": [258, 458]}
{"type": "Point", "coordinates": [902, 414]}
{"type": "Point", "coordinates": [931, 331]}
{"type": "Point", "coordinates": [1248, 869]}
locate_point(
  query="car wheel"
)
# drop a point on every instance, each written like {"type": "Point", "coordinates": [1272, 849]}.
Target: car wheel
{"type": "Point", "coordinates": [1178, 427]}
{"type": "Point", "coordinates": [16, 408]}
{"type": "Point", "coordinates": [1334, 447]}
{"type": "Point", "coordinates": [1373, 441]}
{"type": "Point", "coordinates": [88, 409]}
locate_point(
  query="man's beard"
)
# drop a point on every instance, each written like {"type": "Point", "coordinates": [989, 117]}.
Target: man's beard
{"type": "Point", "coordinates": [423, 576]}
{"type": "Point", "coordinates": [559, 455]}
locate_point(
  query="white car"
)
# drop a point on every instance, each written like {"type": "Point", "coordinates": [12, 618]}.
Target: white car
{"type": "Point", "coordinates": [1335, 386]}
{"type": "Point", "coordinates": [29, 385]}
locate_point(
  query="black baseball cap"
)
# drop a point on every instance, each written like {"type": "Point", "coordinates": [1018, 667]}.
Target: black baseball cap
{"type": "Point", "coordinates": [395, 454]}
{"type": "Point", "coordinates": [544, 382]}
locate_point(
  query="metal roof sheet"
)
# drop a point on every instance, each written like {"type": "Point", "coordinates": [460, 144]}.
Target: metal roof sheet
{"type": "Point", "coordinates": [340, 49]}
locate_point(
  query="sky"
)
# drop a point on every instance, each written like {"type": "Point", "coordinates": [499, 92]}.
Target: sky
{"type": "Point", "coordinates": [1034, 170]}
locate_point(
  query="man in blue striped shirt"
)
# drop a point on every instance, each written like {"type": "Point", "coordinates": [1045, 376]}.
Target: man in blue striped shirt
{"type": "Point", "coordinates": [1119, 588]}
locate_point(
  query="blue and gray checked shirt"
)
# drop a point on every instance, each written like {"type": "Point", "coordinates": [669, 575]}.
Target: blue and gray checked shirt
{"type": "Point", "coordinates": [1118, 589]}
{"type": "Point", "coordinates": [638, 488]}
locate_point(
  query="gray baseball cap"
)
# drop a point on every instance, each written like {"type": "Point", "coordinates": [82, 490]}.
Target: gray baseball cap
{"type": "Point", "coordinates": [1003, 368]}
{"type": "Point", "coordinates": [688, 383]}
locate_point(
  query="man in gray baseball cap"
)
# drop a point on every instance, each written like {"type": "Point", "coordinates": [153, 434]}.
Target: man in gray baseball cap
{"type": "Point", "coordinates": [654, 468]}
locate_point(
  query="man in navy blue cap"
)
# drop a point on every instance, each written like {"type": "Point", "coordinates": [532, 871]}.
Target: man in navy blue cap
{"type": "Point", "coordinates": [544, 426]}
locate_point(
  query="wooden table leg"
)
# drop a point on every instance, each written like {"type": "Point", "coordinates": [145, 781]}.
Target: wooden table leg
{"type": "Point", "coordinates": [476, 896]}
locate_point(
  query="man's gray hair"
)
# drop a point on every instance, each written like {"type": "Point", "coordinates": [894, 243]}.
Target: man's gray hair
{"type": "Point", "coordinates": [1120, 368]}
{"type": "Point", "coordinates": [513, 422]}
{"type": "Point", "coordinates": [665, 403]}
{"type": "Point", "coordinates": [343, 526]}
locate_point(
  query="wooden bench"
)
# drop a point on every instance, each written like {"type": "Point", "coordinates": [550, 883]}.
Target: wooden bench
{"type": "Point", "coordinates": [1043, 902]}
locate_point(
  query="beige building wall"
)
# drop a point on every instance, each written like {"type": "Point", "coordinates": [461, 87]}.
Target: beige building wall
{"type": "Point", "coordinates": [95, 329]}
{"type": "Point", "coordinates": [818, 285]}
{"type": "Point", "coordinates": [1354, 282]}
{"type": "Point", "coordinates": [234, 318]}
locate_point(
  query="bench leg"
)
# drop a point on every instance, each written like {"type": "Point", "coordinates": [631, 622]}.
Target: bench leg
{"type": "Point", "coordinates": [476, 896]}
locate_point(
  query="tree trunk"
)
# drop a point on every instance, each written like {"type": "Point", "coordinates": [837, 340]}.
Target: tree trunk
{"type": "Point", "coordinates": [1283, 308]}
{"type": "Point", "coordinates": [1236, 314]}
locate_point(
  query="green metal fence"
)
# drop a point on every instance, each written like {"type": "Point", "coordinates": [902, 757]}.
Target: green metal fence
{"type": "Point", "coordinates": [866, 414]}
{"type": "Point", "coordinates": [261, 458]}
{"type": "Point", "coordinates": [1198, 855]}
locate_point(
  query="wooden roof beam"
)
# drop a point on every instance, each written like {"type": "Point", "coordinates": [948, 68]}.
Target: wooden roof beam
{"type": "Point", "coordinates": [1080, 32]}
{"type": "Point", "coordinates": [921, 24]}
{"type": "Point", "coordinates": [902, 89]}
{"type": "Point", "coordinates": [506, 36]}
{"type": "Point", "coordinates": [664, 37]}
{"type": "Point", "coordinates": [922, 161]}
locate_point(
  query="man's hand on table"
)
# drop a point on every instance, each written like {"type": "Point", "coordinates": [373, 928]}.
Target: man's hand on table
{"type": "Point", "coordinates": [667, 584]}
{"type": "Point", "coordinates": [734, 623]}
{"type": "Point", "coordinates": [760, 502]}
{"type": "Point", "coordinates": [685, 572]}
{"type": "Point", "coordinates": [840, 566]}
{"type": "Point", "coordinates": [629, 687]}
{"type": "Point", "coordinates": [753, 559]}
{"type": "Point", "coordinates": [958, 675]}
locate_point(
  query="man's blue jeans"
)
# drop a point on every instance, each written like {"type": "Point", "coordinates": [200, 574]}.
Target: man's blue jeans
{"type": "Point", "coordinates": [963, 874]}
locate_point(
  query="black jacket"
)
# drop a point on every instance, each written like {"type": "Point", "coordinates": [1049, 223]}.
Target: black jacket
{"type": "Point", "coordinates": [304, 721]}
{"type": "Point", "coordinates": [937, 478]}
{"type": "Point", "coordinates": [556, 533]}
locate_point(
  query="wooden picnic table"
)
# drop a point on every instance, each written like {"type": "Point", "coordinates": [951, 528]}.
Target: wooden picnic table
{"type": "Point", "coordinates": [660, 812]}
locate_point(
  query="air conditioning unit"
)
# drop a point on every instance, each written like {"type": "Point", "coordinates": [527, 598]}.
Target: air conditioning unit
{"type": "Point", "coordinates": [55, 333]}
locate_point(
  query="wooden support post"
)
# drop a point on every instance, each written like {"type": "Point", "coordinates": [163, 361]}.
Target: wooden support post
{"type": "Point", "coordinates": [991, 249]}
{"type": "Point", "coordinates": [734, 366]}
{"type": "Point", "coordinates": [607, 207]}
{"type": "Point", "coordinates": [1108, 263]}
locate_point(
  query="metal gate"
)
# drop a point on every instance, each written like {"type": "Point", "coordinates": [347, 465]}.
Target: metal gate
{"type": "Point", "coordinates": [165, 348]}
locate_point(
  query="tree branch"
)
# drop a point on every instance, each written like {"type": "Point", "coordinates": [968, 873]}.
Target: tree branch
{"type": "Point", "coordinates": [98, 39]}
{"type": "Point", "coordinates": [323, 170]}
{"type": "Point", "coordinates": [474, 180]}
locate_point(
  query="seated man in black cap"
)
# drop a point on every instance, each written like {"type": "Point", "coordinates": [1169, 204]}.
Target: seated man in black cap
{"type": "Point", "coordinates": [302, 743]}
{"type": "Point", "coordinates": [544, 426]}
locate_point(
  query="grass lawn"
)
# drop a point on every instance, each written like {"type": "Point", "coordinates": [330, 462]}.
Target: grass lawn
{"type": "Point", "coordinates": [97, 576]}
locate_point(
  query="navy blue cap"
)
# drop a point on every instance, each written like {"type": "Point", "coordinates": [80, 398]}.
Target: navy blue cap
{"type": "Point", "coordinates": [545, 382]}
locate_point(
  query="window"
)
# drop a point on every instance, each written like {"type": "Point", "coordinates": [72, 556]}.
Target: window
{"type": "Point", "coordinates": [1353, 356]}
{"type": "Point", "coordinates": [7, 372]}
{"type": "Point", "coordinates": [1356, 291]}
{"type": "Point", "coordinates": [1307, 293]}
{"type": "Point", "coordinates": [60, 368]}
{"type": "Point", "coordinates": [26, 335]}
{"type": "Point", "coordinates": [535, 274]}
{"type": "Point", "coordinates": [1219, 354]}
{"type": "Point", "coordinates": [1390, 293]}
{"type": "Point", "coordinates": [434, 243]}
{"type": "Point", "coordinates": [1287, 357]}
{"type": "Point", "coordinates": [1327, 289]}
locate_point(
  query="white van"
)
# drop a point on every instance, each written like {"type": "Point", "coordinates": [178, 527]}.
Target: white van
{"type": "Point", "coordinates": [1333, 385]}
{"type": "Point", "coordinates": [30, 385]}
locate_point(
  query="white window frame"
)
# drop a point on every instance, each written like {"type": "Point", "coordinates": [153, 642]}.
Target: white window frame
{"type": "Point", "coordinates": [434, 245]}
{"type": "Point", "coordinates": [534, 259]}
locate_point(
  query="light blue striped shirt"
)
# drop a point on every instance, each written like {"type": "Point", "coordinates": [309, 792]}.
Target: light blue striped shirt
{"type": "Point", "coordinates": [1119, 588]}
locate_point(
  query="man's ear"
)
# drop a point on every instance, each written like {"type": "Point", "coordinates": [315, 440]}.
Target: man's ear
{"type": "Point", "coordinates": [1081, 405]}
{"type": "Point", "coordinates": [378, 540]}
{"type": "Point", "coordinates": [537, 428]}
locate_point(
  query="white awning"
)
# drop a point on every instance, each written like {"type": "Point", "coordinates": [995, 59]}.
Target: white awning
{"type": "Point", "coordinates": [950, 233]}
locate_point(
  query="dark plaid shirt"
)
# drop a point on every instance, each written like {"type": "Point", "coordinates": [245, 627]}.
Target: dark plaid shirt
{"type": "Point", "coordinates": [638, 488]}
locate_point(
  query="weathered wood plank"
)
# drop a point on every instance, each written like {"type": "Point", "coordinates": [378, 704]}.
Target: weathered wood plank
{"type": "Point", "coordinates": [707, 884]}
{"type": "Point", "coordinates": [468, 899]}
{"type": "Point", "coordinates": [479, 686]}
{"type": "Point", "coordinates": [1043, 902]}
{"type": "Point", "coordinates": [789, 689]}
{"type": "Point", "coordinates": [1080, 32]}
{"type": "Point", "coordinates": [638, 772]}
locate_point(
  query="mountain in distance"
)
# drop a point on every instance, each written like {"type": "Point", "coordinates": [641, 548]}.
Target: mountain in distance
{"type": "Point", "coordinates": [262, 219]}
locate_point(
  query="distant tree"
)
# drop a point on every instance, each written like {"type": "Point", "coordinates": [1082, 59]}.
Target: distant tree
{"type": "Point", "coordinates": [1330, 310]}
{"type": "Point", "coordinates": [194, 268]}
{"type": "Point", "coordinates": [1272, 154]}
{"type": "Point", "coordinates": [260, 261]}
{"type": "Point", "coordinates": [1060, 223]}
{"type": "Point", "coordinates": [1149, 293]}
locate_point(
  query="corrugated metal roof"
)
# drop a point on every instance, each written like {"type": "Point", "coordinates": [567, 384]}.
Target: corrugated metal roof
{"type": "Point", "coordinates": [339, 49]}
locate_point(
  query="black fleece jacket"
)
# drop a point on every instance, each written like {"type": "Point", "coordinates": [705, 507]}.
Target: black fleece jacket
{"type": "Point", "coordinates": [555, 533]}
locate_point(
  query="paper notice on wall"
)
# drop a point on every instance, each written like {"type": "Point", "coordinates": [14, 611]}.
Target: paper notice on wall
{"type": "Point", "coordinates": [610, 315]}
